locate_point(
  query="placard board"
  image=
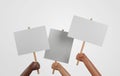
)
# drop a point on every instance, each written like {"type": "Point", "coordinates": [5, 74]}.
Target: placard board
{"type": "Point", "coordinates": [87, 30]}
{"type": "Point", "coordinates": [60, 46]}
{"type": "Point", "coordinates": [31, 40]}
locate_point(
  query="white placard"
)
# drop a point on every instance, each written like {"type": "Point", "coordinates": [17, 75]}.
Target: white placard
{"type": "Point", "coordinates": [60, 46]}
{"type": "Point", "coordinates": [31, 40]}
{"type": "Point", "coordinates": [87, 30]}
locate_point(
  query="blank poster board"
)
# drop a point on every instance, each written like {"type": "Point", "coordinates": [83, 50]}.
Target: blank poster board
{"type": "Point", "coordinates": [60, 46]}
{"type": "Point", "coordinates": [31, 40]}
{"type": "Point", "coordinates": [87, 30]}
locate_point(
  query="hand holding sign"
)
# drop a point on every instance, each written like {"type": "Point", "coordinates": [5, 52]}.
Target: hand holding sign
{"type": "Point", "coordinates": [90, 66]}
{"type": "Point", "coordinates": [33, 66]}
{"type": "Point", "coordinates": [31, 40]}
{"type": "Point", "coordinates": [60, 46]}
{"type": "Point", "coordinates": [87, 31]}
{"type": "Point", "coordinates": [60, 68]}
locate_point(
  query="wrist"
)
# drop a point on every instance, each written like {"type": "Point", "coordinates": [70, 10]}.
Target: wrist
{"type": "Point", "coordinates": [81, 57]}
{"type": "Point", "coordinates": [84, 58]}
{"type": "Point", "coordinates": [59, 67]}
{"type": "Point", "coordinates": [30, 67]}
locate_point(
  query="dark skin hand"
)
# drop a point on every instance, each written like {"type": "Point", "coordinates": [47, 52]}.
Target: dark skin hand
{"type": "Point", "coordinates": [33, 66]}
{"type": "Point", "coordinates": [90, 66]}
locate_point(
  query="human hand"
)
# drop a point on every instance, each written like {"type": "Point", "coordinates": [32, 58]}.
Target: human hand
{"type": "Point", "coordinates": [90, 66]}
{"type": "Point", "coordinates": [60, 68]}
{"type": "Point", "coordinates": [80, 56]}
{"type": "Point", "coordinates": [56, 66]}
{"type": "Point", "coordinates": [35, 66]}
{"type": "Point", "coordinates": [30, 68]}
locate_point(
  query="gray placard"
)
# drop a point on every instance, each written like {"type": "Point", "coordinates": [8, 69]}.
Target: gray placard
{"type": "Point", "coordinates": [87, 30]}
{"type": "Point", "coordinates": [60, 46]}
{"type": "Point", "coordinates": [31, 40]}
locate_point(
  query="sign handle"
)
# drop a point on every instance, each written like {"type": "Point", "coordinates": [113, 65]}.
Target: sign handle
{"type": "Point", "coordinates": [35, 58]}
{"type": "Point", "coordinates": [54, 69]}
{"type": "Point", "coordinates": [83, 45]}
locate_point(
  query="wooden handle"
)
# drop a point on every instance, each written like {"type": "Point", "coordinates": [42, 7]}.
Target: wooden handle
{"type": "Point", "coordinates": [83, 44]}
{"type": "Point", "coordinates": [35, 58]}
{"type": "Point", "coordinates": [77, 63]}
{"type": "Point", "coordinates": [38, 72]}
{"type": "Point", "coordinates": [53, 71]}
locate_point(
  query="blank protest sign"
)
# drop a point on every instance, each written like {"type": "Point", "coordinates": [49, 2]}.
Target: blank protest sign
{"type": "Point", "coordinates": [60, 46]}
{"type": "Point", "coordinates": [31, 40]}
{"type": "Point", "coordinates": [87, 30]}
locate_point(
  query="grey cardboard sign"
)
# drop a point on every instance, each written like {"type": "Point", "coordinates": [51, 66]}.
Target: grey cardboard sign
{"type": "Point", "coordinates": [31, 40]}
{"type": "Point", "coordinates": [60, 46]}
{"type": "Point", "coordinates": [87, 30]}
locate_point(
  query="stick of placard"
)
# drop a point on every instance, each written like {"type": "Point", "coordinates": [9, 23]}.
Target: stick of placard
{"type": "Point", "coordinates": [54, 69]}
{"type": "Point", "coordinates": [35, 57]}
{"type": "Point", "coordinates": [59, 43]}
{"type": "Point", "coordinates": [83, 45]}
{"type": "Point", "coordinates": [55, 61]}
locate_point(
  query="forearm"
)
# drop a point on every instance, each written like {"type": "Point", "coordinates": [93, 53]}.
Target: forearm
{"type": "Point", "coordinates": [92, 69]}
{"type": "Point", "coordinates": [64, 72]}
{"type": "Point", "coordinates": [26, 72]}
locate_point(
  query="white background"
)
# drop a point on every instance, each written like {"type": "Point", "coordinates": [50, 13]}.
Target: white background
{"type": "Point", "coordinates": [19, 14]}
